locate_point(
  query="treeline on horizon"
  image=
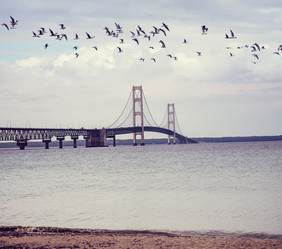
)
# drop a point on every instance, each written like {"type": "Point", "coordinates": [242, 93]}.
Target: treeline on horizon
{"type": "Point", "coordinates": [81, 142]}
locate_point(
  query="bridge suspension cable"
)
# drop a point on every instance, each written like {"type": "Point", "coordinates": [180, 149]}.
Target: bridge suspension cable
{"type": "Point", "coordinates": [111, 126]}
{"type": "Point", "coordinates": [177, 125]}
{"type": "Point", "coordinates": [149, 112]}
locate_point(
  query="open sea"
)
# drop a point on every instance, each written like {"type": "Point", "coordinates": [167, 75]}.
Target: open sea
{"type": "Point", "coordinates": [230, 187]}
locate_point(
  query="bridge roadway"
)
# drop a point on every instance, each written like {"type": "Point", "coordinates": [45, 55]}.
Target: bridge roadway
{"type": "Point", "coordinates": [93, 137]}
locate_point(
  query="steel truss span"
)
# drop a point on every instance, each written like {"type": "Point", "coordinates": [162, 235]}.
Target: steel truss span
{"type": "Point", "coordinates": [17, 134]}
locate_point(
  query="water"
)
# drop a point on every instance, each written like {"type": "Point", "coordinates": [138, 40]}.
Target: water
{"type": "Point", "coordinates": [196, 187]}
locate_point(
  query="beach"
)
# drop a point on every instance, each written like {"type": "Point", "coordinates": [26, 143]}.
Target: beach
{"type": "Point", "coordinates": [50, 237]}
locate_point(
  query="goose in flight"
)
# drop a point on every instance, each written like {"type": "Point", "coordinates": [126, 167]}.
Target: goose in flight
{"type": "Point", "coordinates": [153, 59]}
{"type": "Point", "coordinates": [46, 45]}
{"type": "Point", "coordinates": [119, 49]}
{"type": "Point", "coordinates": [199, 53]}
{"type": "Point", "coordinates": [76, 55]}
{"type": "Point", "coordinates": [255, 55]}
{"type": "Point", "coordinates": [185, 41]}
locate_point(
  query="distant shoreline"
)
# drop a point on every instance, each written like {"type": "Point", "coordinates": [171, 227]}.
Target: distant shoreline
{"type": "Point", "coordinates": [81, 142]}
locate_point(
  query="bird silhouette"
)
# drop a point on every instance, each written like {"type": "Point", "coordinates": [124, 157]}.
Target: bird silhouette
{"type": "Point", "coordinates": [199, 53]}
{"type": "Point", "coordinates": [136, 40]}
{"type": "Point", "coordinates": [76, 55]}
{"type": "Point", "coordinates": [5, 25]}
{"type": "Point", "coordinates": [165, 26]}
{"type": "Point", "coordinates": [204, 30]}
{"type": "Point", "coordinates": [35, 35]}
{"type": "Point", "coordinates": [153, 59]}
{"type": "Point", "coordinates": [64, 36]}
{"type": "Point", "coordinates": [184, 41]}
{"type": "Point", "coordinates": [46, 45]}
{"type": "Point", "coordinates": [163, 44]}
{"type": "Point", "coordinates": [76, 36]}
{"type": "Point", "coordinates": [52, 32]}
{"type": "Point", "coordinates": [230, 37]}
{"type": "Point", "coordinates": [119, 49]}
{"type": "Point", "coordinates": [62, 26]}
{"type": "Point", "coordinates": [89, 36]}
{"type": "Point", "coordinates": [13, 22]}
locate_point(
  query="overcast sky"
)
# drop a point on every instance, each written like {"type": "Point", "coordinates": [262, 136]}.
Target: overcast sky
{"type": "Point", "coordinates": [215, 94]}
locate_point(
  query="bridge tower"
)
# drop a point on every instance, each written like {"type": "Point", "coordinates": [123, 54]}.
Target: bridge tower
{"type": "Point", "coordinates": [138, 115]}
{"type": "Point", "coordinates": [171, 121]}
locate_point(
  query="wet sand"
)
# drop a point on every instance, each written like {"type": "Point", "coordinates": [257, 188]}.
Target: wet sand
{"type": "Point", "coordinates": [48, 237]}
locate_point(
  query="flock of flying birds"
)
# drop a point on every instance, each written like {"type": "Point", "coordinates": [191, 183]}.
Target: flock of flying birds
{"type": "Point", "coordinates": [136, 37]}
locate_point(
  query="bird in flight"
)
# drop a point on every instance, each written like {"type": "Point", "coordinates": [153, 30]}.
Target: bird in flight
{"type": "Point", "coordinates": [52, 32]}
{"type": "Point", "coordinates": [199, 53]}
{"type": "Point", "coordinates": [204, 30]}
{"type": "Point", "coordinates": [119, 49]}
{"type": "Point", "coordinates": [89, 36]}
{"type": "Point", "coordinates": [153, 59]}
{"type": "Point", "coordinates": [13, 22]}
{"type": "Point", "coordinates": [163, 44]}
{"type": "Point", "coordinates": [135, 39]}
{"type": "Point", "coordinates": [46, 45]}
{"type": "Point", "coordinates": [165, 26]}
{"type": "Point", "coordinates": [35, 35]}
{"type": "Point", "coordinates": [185, 41]}
{"type": "Point", "coordinates": [76, 36]}
{"type": "Point", "coordinates": [232, 35]}
{"type": "Point", "coordinates": [5, 25]}
{"type": "Point", "coordinates": [62, 26]}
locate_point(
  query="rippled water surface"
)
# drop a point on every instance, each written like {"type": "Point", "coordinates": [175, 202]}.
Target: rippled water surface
{"type": "Point", "coordinates": [217, 186]}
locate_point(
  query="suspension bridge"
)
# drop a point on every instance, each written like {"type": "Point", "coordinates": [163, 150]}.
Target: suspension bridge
{"type": "Point", "coordinates": [136, 118]}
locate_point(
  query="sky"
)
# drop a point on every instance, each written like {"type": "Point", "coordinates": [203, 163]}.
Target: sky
{"type": "Point", "coordinates": [234, 88]}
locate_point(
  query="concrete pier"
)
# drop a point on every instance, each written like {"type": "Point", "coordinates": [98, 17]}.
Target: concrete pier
{"type": "Point", "coordinates": [74, 138]}
{"type": "Point", "coordinates": [60, 139]}
{"type": "Point", "coordinates": [46, 141]}
{"type": "Point", "coordinates": [97, 138]}
{"type": "Point", "coordinates": [22, 144]}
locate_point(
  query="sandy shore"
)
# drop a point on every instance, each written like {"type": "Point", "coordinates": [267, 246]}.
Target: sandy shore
{"type": "Point", "coordinates": [47, 237]}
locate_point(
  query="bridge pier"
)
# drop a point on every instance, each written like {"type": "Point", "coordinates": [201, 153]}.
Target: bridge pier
{"type": "Point", "coordinates": [60, 139]}
{"type": "Point", "coordinates": [74, 138]}
{"type": "Point", "coordinates": [22, 144]}
{"type": "Point", "coordinates": [97, 138]}
{"type": "Point", "coordinates": [46, 141]}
